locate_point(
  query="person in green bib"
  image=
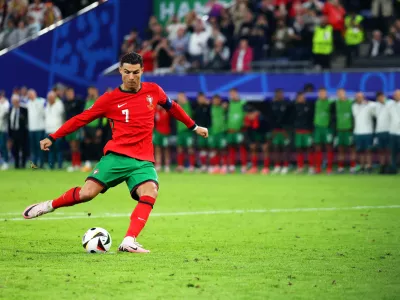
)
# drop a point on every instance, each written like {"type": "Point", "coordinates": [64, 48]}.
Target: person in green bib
{"type": "Point", "coordinates": [92, 133]}
{"type": "Point", "coordinates": [323, 137]}
{"type": "Point", "coordinates": [184, 140]}
{"type": "Point", "coordinates": [217, 139]}
{"type": "Point", "coordinates": [202, 116]}
{"type": "Point", "coordinates": [235, 135]}
{"type": "Point", "coordinates": [344, 129]}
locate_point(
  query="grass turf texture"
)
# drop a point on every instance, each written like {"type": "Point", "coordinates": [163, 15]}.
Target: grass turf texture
{"type": "Point", "coordinates": [343, 254]}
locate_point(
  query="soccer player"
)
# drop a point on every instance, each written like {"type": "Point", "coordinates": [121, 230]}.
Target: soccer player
{"type": "Point", "coordinates": [73, 107]}
{"type": "Point", "coordinates": [129, 155]}
{"type": "Point", "coordinates": [4, 114]}
{"type": "Point", "coordinates": [323, 132]}
{"type": "Point", "coordinates": [363, 131]}
{"type": "Point", "coordinates": [217, 139]}
{"type": "Point", "coordinates": [303, 126]}
{"type": "Point", "coordinates": [382, 115]}
{"type": "Point", "coordinates": [255, 126]}
{"type": "Point", "coordinates": [394, 131]}
{"type": "Point", "coordinates": [202, 116]}
{"type": "Point", "coordinates": [344, 127]}
{"type": "Point", "coordinates": [280, 120]}
{"type": "Point", "coordinates": [184, 137]}
{"type": "Point", "coordinates": [161, 138]}
{"type": "Point", "coordinates": [235, 135]}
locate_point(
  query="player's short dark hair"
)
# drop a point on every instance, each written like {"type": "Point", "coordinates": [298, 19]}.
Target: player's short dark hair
{"type": "Point", "coordinates": [379, 94]}
{"type": "Point", "coordinates": [216, 96]}
{"type": "Point", "coordinates": [132, 58]}
{"type": "Point", "coordinates": [279, 90]}
{"type": "Point", "coordinates": [200, 94]}
{"type": "Point", "coordinates": [322, 89]}
{"type": "Point", "coordinates": [233, 90]}
{"type": "Point", "coordinates": [301, 93]}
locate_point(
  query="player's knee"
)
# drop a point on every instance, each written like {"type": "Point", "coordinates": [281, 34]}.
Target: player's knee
{"type": "Point", "coordinates": [148, 189]}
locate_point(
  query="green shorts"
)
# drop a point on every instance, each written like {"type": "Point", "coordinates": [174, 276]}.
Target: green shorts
{"type": "Point", "coordinates": [323, 136]}
{"type": "Point", "coordinates": [185, 139]}
{"type": "Point", "coordinates": [254, 137]}
{"type": "Point", "coordinates": [280, 138]}
{"type": "Point", "coordinates": [113, 169]}
{"type": "Point", "coordinates": [344, 138]}
{"type": "Point", "coordinates": [75, 136]}
{"type": "Point", "coordinates": [217, 141]}
{"type": "Point", "coordinates": [235, 138]}
{"type": "Point", "coordinates": [303, 140]}
{"type": "Point", "coordinates": [160, 139]}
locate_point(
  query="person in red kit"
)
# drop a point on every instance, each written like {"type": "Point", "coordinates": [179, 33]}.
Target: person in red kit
{"type": "Point", "coordinates": [335, 14]}
{"type": "Point", "coordinates": [129, 155]}
{"type": "Point", "coordinates": [161, 138]}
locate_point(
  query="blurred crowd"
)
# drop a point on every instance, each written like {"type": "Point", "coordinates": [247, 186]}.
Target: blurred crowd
{"type": "Point", "coordinates": [234, 37]}
{"type": "Point", "coordinates": [315, 133]}
{"type": "Point", "coordinates": [20, 19]}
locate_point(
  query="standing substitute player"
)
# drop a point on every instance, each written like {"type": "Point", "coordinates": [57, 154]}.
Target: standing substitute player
{"type": "Point", "coordinates": [129, 155]}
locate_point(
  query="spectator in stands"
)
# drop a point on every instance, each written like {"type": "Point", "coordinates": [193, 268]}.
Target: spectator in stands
{"type": "Point", "coordinates": [52, 14]}
{"type": "Point", "coordinates": [299, 40]}
{"type": "Point", "coordinates": [33, 26]}
{"type": "Point", "coordinates": [157, 35]}
{"type": "Point", "coordinates": [394, 131]}
{"type": "Point", "coordinates": [382, 6]}
{"type": "Point", "coordinates": [173, 27]}
{"type": "Point", "coordinates": [17, 10]}
{"type": "Point", "coordinates": [242, 57]}
{"type": "Point", "coordinates": [148, 56]}
{"type": "Point", "coordinates": [238, 12]}
{"type": "Point", "coordinates": [3, 13]}
{"type": "Point", "coordinates": [281, 39]}
{"type": "Point", "coordinates": [377, 45]}
{"type": "Point", "coordinates": [153, 22]}
{"type": "Point", "coordinates": [163, 57]}
{"type": "Point", "coordinates": [335, 13]}
{"type": "Point", "coordinates": [197, 47]}
{"type": "Point", "coordinates": [36, 125]}
{"type": "Point", "coordinates": [258, 43]}
{"type": "Point", "coordinates": [9, 35]}
{"type": "Point", "coordinates": [54, 116]}
{"type": "Point", "coordinates": [4, 114]}
{"type": "Point", "coordinates": [18, 132]}
{"type": "Point", "coordinates": [213, 8]}
{"type": "Point", "coordinates": [354, 36]}
{"type": "Point", "coordinates": [132, 42]}
{"type": "Point", "coordinates": [23, 93]}
{"type": "Point", "coordinates": [215, 36]}
{"type": "Point", "coordinates": [218, 58]}
{"type": "Point", "coordinates": [227, 28]}
{"type": "Point", "coordinates": [21, 31]}
{"type": "Point", "coordinates": [246, 26]}
{"type": "Point", "coordinates": [73, 107]}
{"type": "Point", "coordinates": [389, 50]}
{"type": "Point", "coordinates": [179, 43]}
{"type": "Point", "coordinates": [323, 44]}
{"type": "Point", "coordinates": [180, 65]}
{"type": "Point", "coordinates": [36, 11]}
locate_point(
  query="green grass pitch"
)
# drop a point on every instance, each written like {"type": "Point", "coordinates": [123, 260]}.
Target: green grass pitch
{"type": "Point", "coordinates": [272, 237]}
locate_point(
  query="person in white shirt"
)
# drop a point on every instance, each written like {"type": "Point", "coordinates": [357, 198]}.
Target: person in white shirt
{"type": "Point", "coordinates": [381, 113]}
{"type": "Point", "coordinates": [4, 114]}
{"type": "Point", "coordinates": [394, 131]}
{"type": "Point", "coordinates": [197, 46]}
{"type": "Point", "coordinates": [363, 130]}
{"type": "Point", "coordinates": [54, 118]}
{"type": "Point", "coordinates": [35, 108]}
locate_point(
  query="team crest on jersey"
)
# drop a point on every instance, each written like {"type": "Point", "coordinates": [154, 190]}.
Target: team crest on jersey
{"type": "Point", "coordinates": [150, 101]}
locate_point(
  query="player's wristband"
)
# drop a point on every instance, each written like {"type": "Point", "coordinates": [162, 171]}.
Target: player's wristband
{"type": "Point", "coordinates": [194, 127]}
{"type": "Point", "coordinates": [51, 138]}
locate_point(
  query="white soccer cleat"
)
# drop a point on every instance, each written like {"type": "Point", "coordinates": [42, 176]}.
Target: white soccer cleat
{"type": "Point", "coordinates": [311, 170]}
{"type": "Point", "coordinates": [4, 167]}
{"type": "Point", "coordinates": [129, 244]}
{"type": "Point", "coordinates": [284, 170]}
{"type": "Point", "coordinates": [231, 169]}
{"type": "Point", "coordinates": [203, 169]}
{"type": "Point", "coordinates": [167, 169]}
{"type": "Point", "coordinates": [71, 169]}
{"type": "Point", "coordinates": [36, 210]}
{"type": "Point", "coordinates": [276, 170]}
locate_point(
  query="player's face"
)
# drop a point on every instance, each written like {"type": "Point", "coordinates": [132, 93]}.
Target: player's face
{"type": "Point", "coordinates": [181, 98]}
{"type": "Point", "coordinates": [381, 99]}
{"type": "Point", "coordinates": [359, 97]}
{"type": "Point", "coordinates": [341, 94]}
{"type": "Point", "coordinates": [234, 95]}
{"type": "Point", "coordinates": [396, 95]}
{"type": "Point", "coordinates": [301, 99]}
{"type": "Point", "coordinates": [70, 94]}
{"type": "Point", "coordinates": [131, 75]}
{"type": "Point", "coordinates": [216, 101]}
{"type": "Point", "coordinates": [322, 94]}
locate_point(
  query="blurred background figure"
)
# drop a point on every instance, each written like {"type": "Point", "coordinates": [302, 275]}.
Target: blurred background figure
{"type": "Point", "coordinates": [162, 131]}
{"type": "Point", "coordinates": [4, 115]}
{"type": "Point", "coordinates": [394, 132]}
{"type": "Point", "coordinates": [18, 132]}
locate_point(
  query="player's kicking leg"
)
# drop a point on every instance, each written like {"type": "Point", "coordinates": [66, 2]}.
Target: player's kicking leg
{"type": "Point", "coordinates": [71, 197]}
{"type": "Point", "coordinates": [147, 195]}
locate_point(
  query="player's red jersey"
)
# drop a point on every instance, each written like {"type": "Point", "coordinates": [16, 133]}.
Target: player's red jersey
{"type": "Point", "coordinates": [162, 120]}
{"type": "Point", "coordinates": [131, 117]}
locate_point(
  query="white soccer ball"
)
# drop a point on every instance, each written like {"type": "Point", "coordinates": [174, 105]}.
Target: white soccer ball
{"type": "Point", "coordinates": [96, 240]}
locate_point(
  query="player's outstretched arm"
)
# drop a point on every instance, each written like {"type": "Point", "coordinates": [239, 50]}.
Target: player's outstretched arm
{"type": "Point", "coordinates": [96, 111]}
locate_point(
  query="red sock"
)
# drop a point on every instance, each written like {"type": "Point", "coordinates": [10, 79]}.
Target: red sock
{"type": "Point", "coordinates": [203, 158]}
{"type": "Point", "coordinates": [232, 156]}
{"type": "Point", "coordinates": [73, 158]}
{"type": "Point", "coordinates": [254, 160]}
{"type": "Point", "coordinates": [341, 164]}
{"type": "Point", "coordinates": [225, 159]}
{"type": "Point", "coordinates": [181, 159]}
{"type": "Point", "coordinates": [140, 215]}
{"type": "Point", "coordinates": [217, 159]}
{"type": "Point", "coordinates": [243, 155]}
{"type": "Point", "coordinates": [318, 160]}
{"type": "Point", "coordinates": [353, 164]}
{"type": "Point", "coordinates": [311, 159]}
{"type": "Point", "coordinates": [286, 164]}
{"type": "Point", "coordinates": [78, 159]}
{"type": "Point", "coordinates": [300, 160]}
{"type": "Point", "coordinates": [330, 159]}
{"type": "Point", "coordinates": [266, 162]}
{"type": "Point", "coordinates": [192, 160]}
{"type": "Point", "coordinates": [69, 198]}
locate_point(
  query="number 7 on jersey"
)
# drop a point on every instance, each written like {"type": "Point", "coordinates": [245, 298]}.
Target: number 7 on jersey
{"type": "Point", "coordinates": [126, 113]}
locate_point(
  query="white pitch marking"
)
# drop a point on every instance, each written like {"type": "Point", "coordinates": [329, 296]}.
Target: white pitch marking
{"type": "Point", "coordinates": [213, 212]}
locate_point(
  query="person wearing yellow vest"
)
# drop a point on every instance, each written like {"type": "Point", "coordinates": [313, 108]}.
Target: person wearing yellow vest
{"type": "Point", "coordinates": [354, 36]}
{"type": "Point", "coordinates": [323, 44]}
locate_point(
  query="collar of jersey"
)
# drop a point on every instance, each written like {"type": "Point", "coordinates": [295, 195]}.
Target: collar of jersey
{"type": "Point", "coordinates": [130, 92]}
